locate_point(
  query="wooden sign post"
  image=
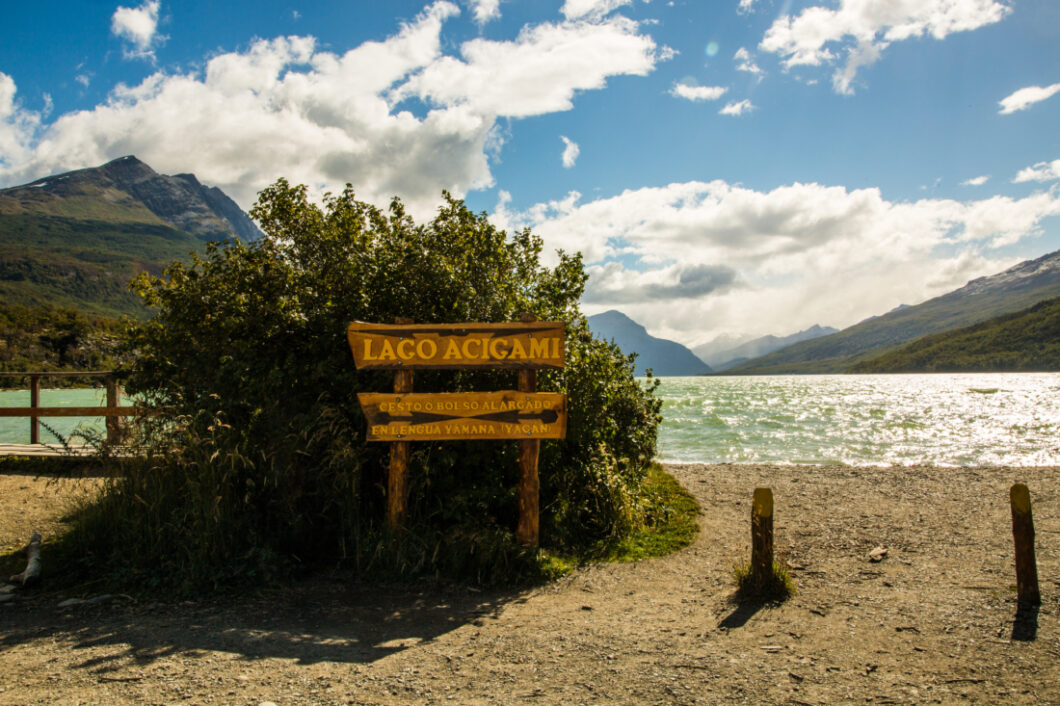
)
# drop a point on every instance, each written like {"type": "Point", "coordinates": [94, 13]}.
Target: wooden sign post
{"type": "Point", "coordinates": [405, 416]}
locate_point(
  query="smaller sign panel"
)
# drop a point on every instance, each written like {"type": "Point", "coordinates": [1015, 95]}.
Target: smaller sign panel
{"type": "Point", "coordinates": [538, 344]}
{"type": "Point", "coordinates": [506, 414]}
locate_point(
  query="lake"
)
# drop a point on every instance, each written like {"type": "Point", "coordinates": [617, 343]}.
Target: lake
{"type": "Point", "coordinates": [946, 419]}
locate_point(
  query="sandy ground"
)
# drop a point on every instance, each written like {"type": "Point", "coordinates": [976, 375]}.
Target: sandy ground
{"type": "Point", "coordinates": [934, 622]}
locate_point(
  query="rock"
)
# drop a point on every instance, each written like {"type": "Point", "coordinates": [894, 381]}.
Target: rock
{"type": "Point", "coordinates": [877, 554]}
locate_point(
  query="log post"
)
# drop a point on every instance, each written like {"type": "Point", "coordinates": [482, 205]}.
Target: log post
{"type": "Point", "coordinates": [34, 401]}
{"type": "Point", "coordinates": [527, 531]}
{"type": "Point", "coordinates": [761, 536]}
{"type": "Point", "coordinates": [397, 494]}
{"type": "Point", "coordinates": [113, 400]}
{"type": "Point", "coordinates": [31, 574]}
{"type": "Point", "coordinates": [1023, 534]}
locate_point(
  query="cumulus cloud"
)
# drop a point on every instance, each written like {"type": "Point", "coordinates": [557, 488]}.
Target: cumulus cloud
{"type": "Point", "coordinates": [737, 107]}
{"type": "Point", "coordinates": [760, 262]}
{"type": "Point", "coordinates": [570, 152]}
{"type": "Point", "coordinates": [485, 10]}
{"type": "Point", "coordinates": [861, 30]}
{"type": "Point", "coordinates": [697, 93]}
{"type": "Point", "coordinates": [1026, 97]}
{"type": "Point", "coordinates": [745, 6]}
{"type": "Point", "coordinates": [976, 181]}
{"type": "Point", "coordinates": [612, 284]}
{"type": "Point", "coordinates": [18, 126]}
{"type": "Point", "coordinates": [284, 107]}
{"type": "Point", "coordinates": [744, 62]}
{"type": "Point", "coordinates": [540, 72]}
{"type": "Point", "coordinates": [577, 9]}
{"type": "Point", "coordinates": [139, 27]}
{"type": "Point", "coordinates": [1042, 171]}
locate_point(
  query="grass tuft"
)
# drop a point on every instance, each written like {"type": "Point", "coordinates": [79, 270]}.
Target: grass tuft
{"type": "Point", "coordinates": [778, 586]}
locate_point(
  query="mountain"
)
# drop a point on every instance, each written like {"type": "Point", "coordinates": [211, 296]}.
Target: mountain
{"type": "Point", "coordinates": [1012, 290]}
{"type": "Point", "coordinates": [76, 239]}
{"type": "Point", "coordinates": [1026, 341]}
{"type": "Point", "coordinates": [731, 357]}
{"type": "Point", "coordinates": [716, 350]}
{"type": "Point", "coordinates": [663, 357]}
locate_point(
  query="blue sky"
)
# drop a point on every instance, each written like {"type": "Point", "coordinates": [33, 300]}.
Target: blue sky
{"type": "Point", "coordinates": [727, 168]}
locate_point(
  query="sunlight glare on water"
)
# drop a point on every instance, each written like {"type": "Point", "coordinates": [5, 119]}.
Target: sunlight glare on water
{"type": "Point", "coordinates": [945, 419]}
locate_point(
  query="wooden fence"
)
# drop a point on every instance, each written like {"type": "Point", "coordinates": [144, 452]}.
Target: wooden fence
{"type": "Point", "coordinates": [111, 411]}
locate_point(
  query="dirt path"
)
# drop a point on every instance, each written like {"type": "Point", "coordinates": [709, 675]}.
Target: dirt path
{"type": "Point", "coordinates": [932, 623]}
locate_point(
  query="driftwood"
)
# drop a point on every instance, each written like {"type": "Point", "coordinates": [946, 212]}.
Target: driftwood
{"type": "Point", "coordinates": [32, 572]}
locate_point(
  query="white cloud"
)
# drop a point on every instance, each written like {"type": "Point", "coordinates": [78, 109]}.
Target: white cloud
{"type": "Point", "coordinates": [570, 152]}
{"type": "Point", "coordinates": [139, 26]}
{"type": "Point", "coordinates": [540, 72]}
{"type": "Point", "coordinates": [737, 107]}
{"type": "Point", "coordinates": [577, 9]}
{"type": "Point", "coordinates": [697, 93]}
{"type": "Point", "coordinates": [862, 29]}
{"type": "Point", "coordinates": [747, 261]}
{"type": "Point", "coordinates": [744, 62]}
{"type": "Point", "coordinates": [976, 181]}
{"type": "Point", "coordinates": [283, 107]}
{"type": "Point", "coordinates": [18, 126]}
{"type": "Point", "coordinates": [1042, 171]}
{"type": "Point", "coordinates": [745, 6]}
{"type": "Point", "coordinates": [485, 10]}
{"type": "Point", "coordinates": [1026, 97]}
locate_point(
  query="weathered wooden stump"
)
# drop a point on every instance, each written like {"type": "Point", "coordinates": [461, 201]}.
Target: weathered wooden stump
{"type": "Point", "coordinates": [1023, 534]}
{"type": "Point", "coordinates": [762, 537]}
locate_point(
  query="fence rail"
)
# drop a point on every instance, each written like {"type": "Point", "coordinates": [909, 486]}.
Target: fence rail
{"type": "Point", "coordinates": [111, 411]}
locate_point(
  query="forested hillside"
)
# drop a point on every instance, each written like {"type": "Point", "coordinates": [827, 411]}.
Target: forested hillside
{"type": "Point", "coordinates": [1027, 340]}
{"type": "Point", "coordinates": [48, 338]}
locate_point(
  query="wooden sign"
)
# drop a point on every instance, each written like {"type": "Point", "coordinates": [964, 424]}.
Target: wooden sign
{"type": "Point", "coordinates": [533, 344]}
{"type": "Point", "coordinates": [505, 414]}
{"type": "Point", "coordinates": [404, 416]}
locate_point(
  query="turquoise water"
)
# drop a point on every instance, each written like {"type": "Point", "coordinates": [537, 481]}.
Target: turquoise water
{"type": "Point", "coordinates": [959, 419]}
{"type": "Point", "coordinates": [962, 419]}
{"type": "Point", "coordinates": [15, 430]}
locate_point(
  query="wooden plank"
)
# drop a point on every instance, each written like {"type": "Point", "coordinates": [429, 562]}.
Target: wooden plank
{"type": "Point", "coordinates": [56, 373]}
{"type": "Point", "coordinates": [397, 476]}
{"type": "Point", "coordinates": [34, 401]}
{"type": "Point", "coordinates": [527, 529]}
{"type": "Point", "coordinates": [113, 402]}
{"type": "Point", "coordinates": [505, 414]}
{"type": "Point", "coordinates": [536, 344]}
{"type": "Point", "coordinates": [70, 411]}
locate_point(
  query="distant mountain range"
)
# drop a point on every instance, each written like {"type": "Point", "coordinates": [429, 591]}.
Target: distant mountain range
{"type": "Point", "coordinates": [662, 357]}
{"type": "Point", "coordinates": [728, 357]}
{"type": "Point", "coordinates": [76, 239]}
{"type": "Point", "coordinates": [1010, 291]}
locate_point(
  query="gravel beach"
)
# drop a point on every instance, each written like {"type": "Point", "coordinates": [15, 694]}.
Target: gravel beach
{"type": "Point", "coordinates": [935, 621]}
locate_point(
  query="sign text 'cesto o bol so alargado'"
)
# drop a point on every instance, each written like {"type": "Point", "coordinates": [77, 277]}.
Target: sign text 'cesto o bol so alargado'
{"type": "Point", "coordinates": [506, 414]}
{"type": "Point", "coordinates": [538, 344]}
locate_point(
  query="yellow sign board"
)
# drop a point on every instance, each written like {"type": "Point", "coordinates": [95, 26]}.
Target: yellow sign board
{"type": "Point", "coordinates": [537, 344]}
{"type": "Point", "coordinates": [505, 414]}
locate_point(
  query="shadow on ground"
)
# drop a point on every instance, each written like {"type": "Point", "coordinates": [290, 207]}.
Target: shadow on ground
{"type": "Point", "coordinates": [1025, 625]}
{"type": "Point", "coordinates": [319, 620]}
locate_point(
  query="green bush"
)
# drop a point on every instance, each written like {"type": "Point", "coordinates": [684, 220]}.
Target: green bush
{"type": "Point", "coordinates": [259, 464]}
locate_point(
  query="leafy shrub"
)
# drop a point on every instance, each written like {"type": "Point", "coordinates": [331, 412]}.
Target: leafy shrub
{"type": "Point", "coordinates": [260, 464]}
